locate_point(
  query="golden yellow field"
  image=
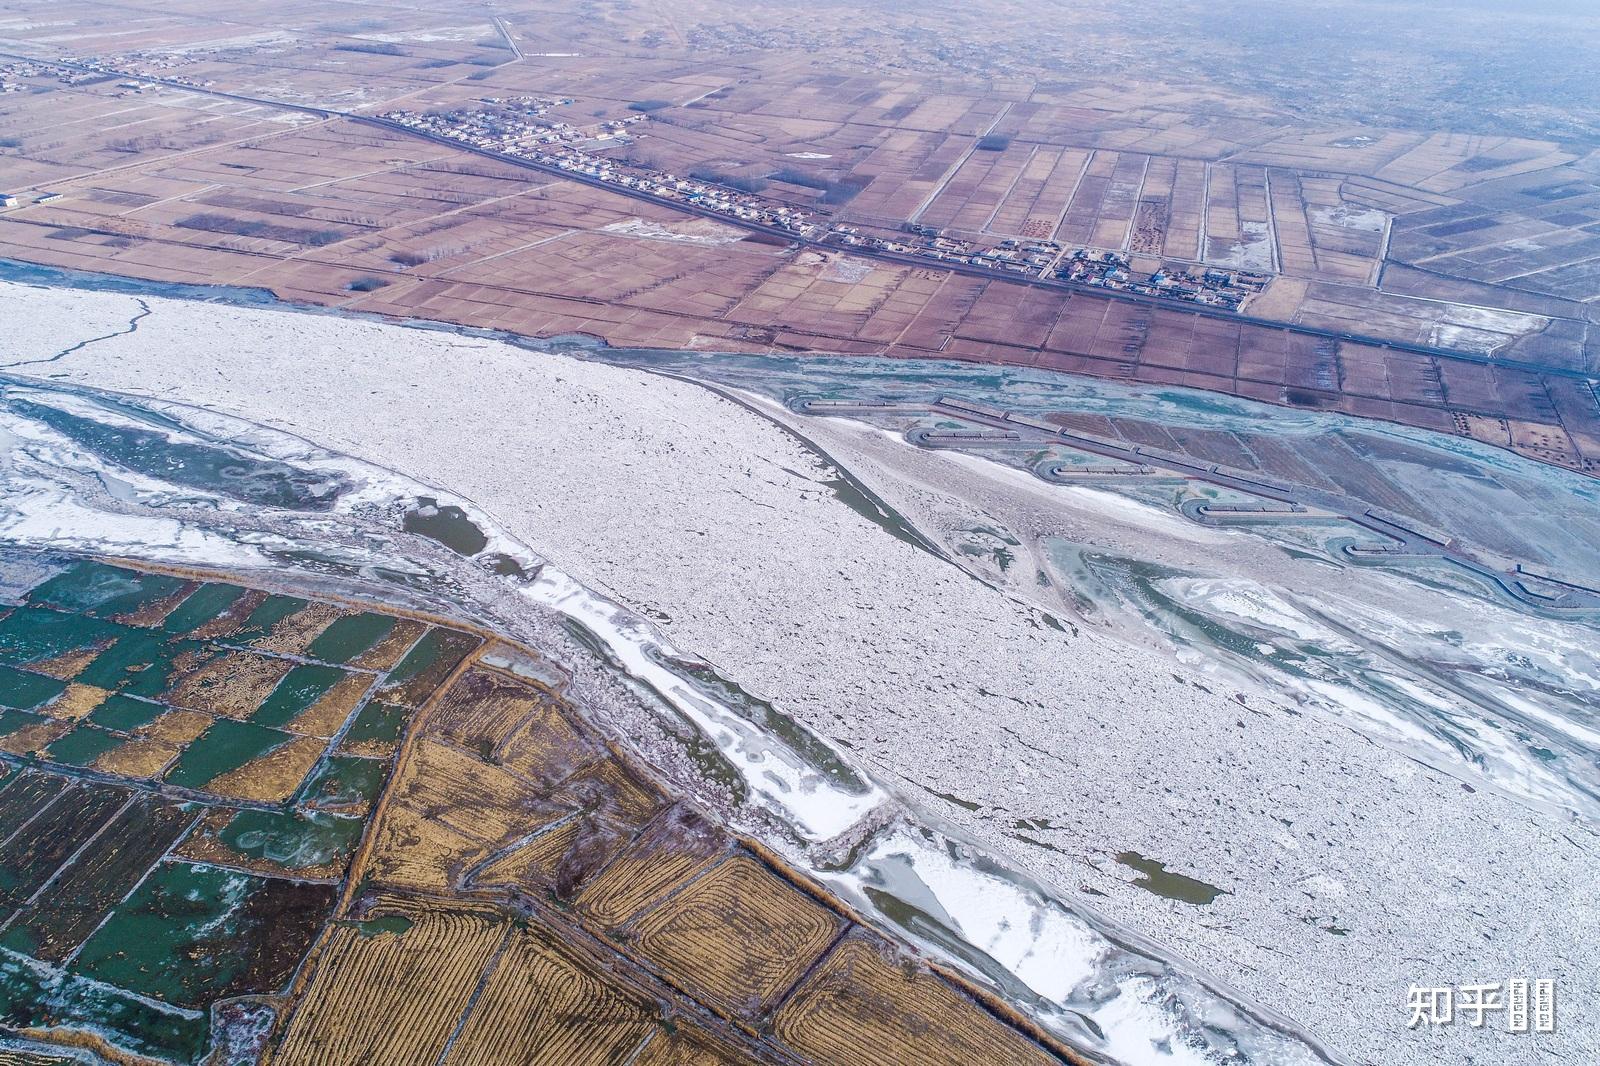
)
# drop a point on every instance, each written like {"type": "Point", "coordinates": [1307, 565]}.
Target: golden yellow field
{"type": "Point", "coordinates": [859, 1000]}
{"type": "Point", "coordinates": [392, 989]}
{"type": "Point", "coordinates": [657, 864]}
{"type": "Point", "coordinates": [231, 686]}
{"type": "Point", "coordinates": [740, 935]}
{"type": "Point", "coordinates": [388, 651]}
{"type": "Point", "coordinates": [274, 777]}
{"type": "Point", "coordinates": [294, 634]}
{"type": "Point", "coordinates": [542, 1004]}
{"type": "Point", "coordinates": [332, 709]}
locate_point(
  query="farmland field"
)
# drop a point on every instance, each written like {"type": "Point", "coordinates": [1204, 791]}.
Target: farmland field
{"type": "Point", "coordinates": [232, 815]}
{"type": "Point", "coordinates": [214, 824]}
{"type": "Point", "coordinates": [1461, 245]}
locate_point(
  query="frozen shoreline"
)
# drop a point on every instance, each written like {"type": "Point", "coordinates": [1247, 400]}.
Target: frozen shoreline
{"type": "Point", "coordinates": [671, 499]}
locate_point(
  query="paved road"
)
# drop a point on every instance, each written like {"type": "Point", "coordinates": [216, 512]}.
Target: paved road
{"type": "Point", "coordinates": [505, 32]}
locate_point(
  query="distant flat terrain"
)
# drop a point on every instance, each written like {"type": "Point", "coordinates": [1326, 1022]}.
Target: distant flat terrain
{"type": "Point", "coordinates": [234, 150]}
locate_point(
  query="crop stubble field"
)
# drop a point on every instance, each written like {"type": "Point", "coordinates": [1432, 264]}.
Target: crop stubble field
{"type": "Point", "coordinates": [1480, 242]}
{"type": "Point", "coordinates": [341, 837]}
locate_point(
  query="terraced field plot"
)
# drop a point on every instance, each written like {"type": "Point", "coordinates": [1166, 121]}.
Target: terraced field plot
{"type": "Point", "coordinates": [379, 845]}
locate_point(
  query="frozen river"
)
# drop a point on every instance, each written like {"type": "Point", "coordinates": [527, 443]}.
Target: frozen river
{"type": "Point", "coordinates": [1138, 772]}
